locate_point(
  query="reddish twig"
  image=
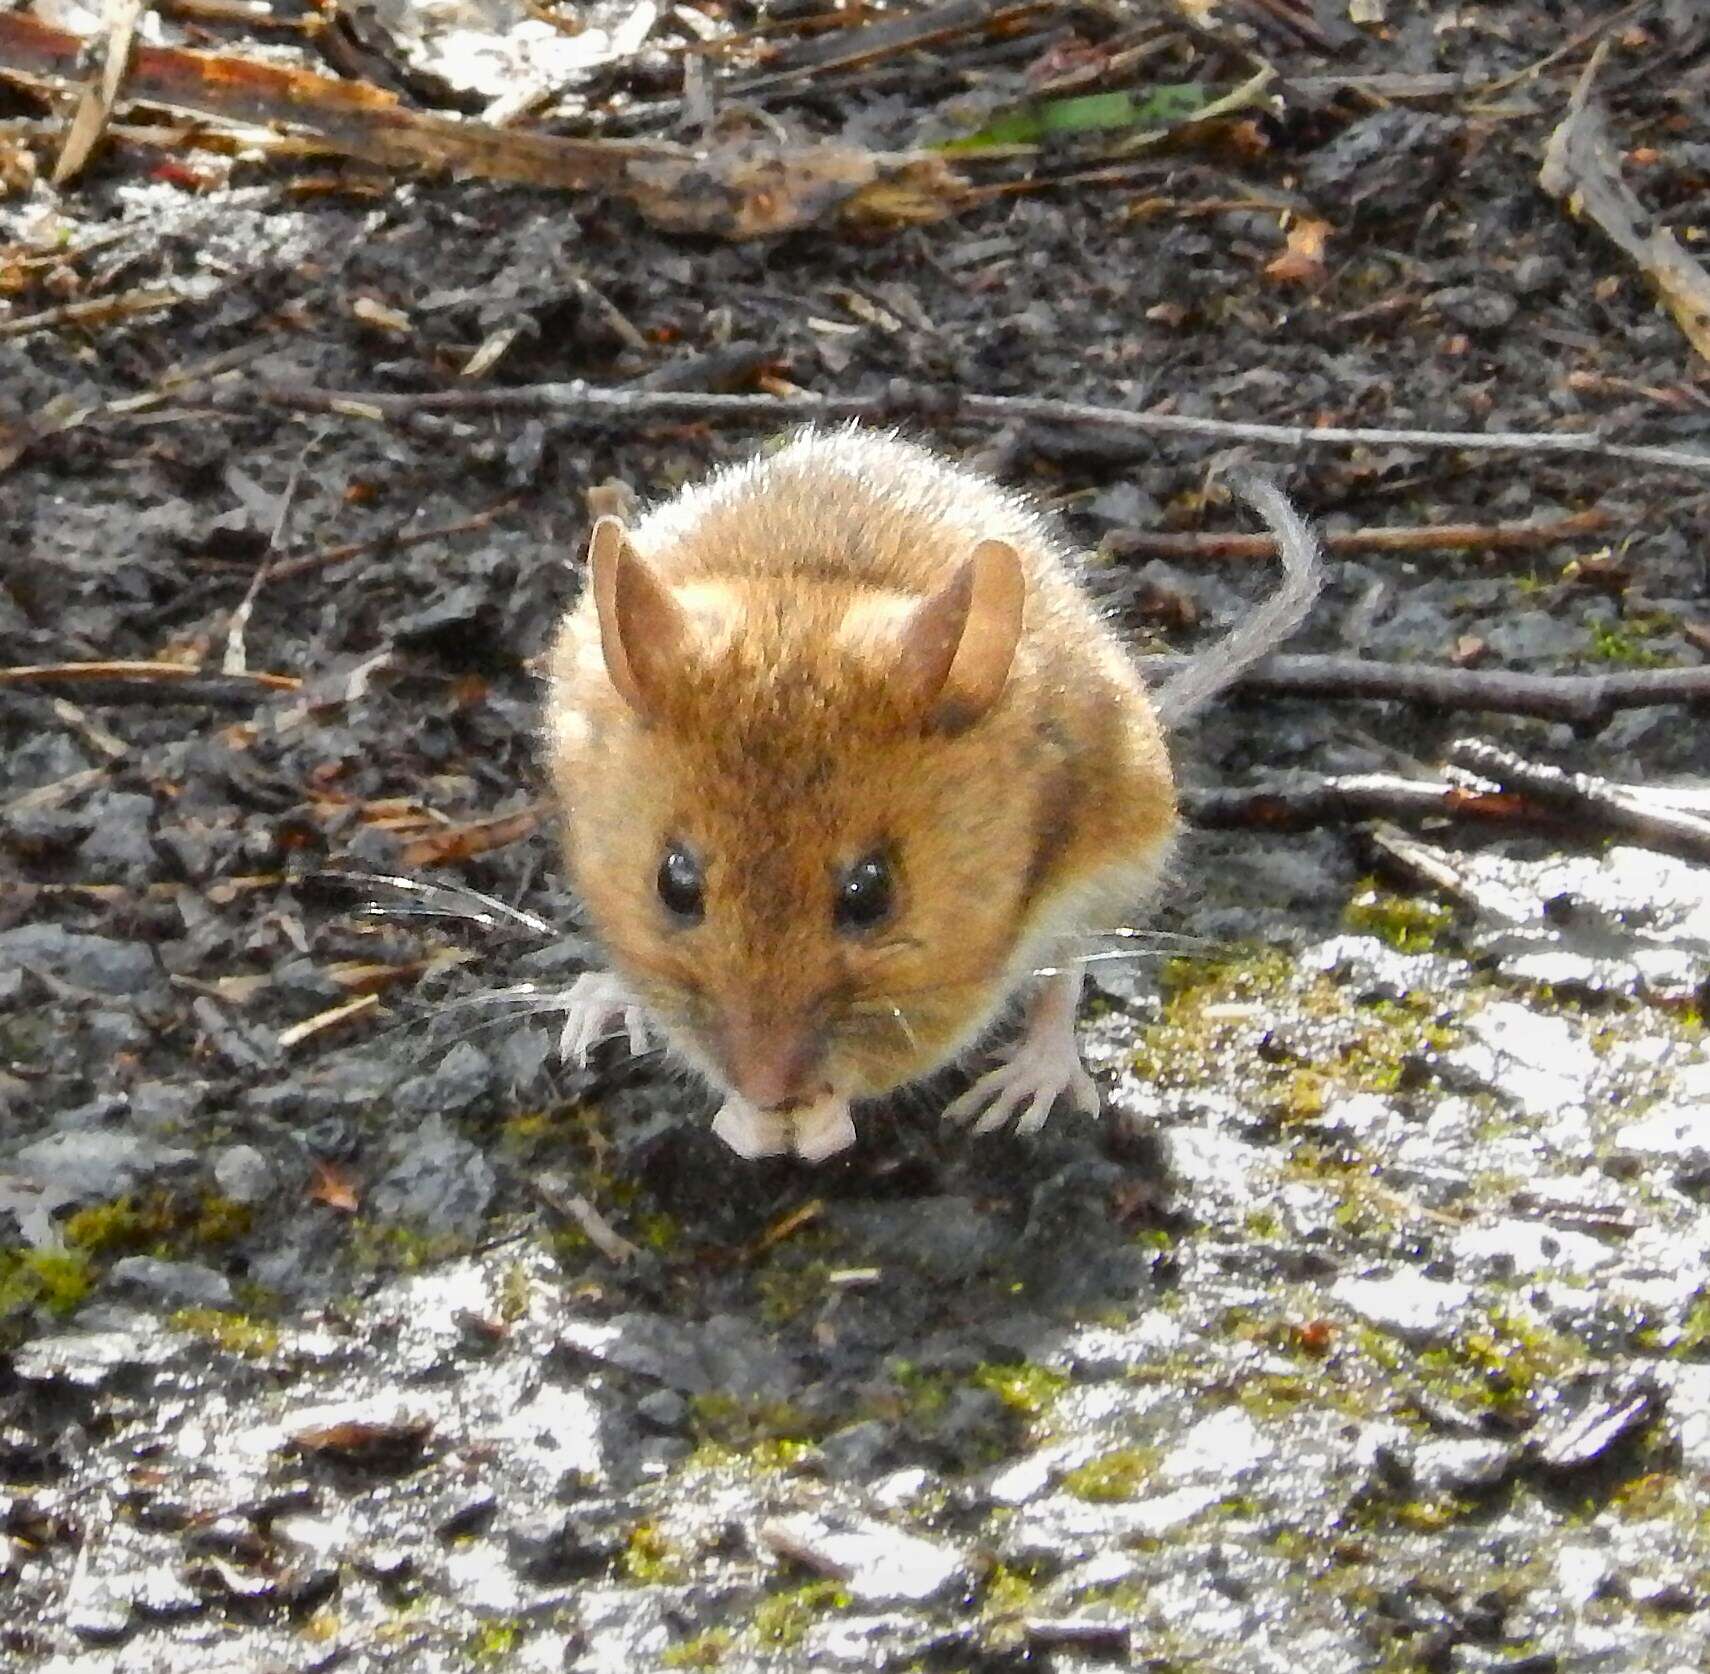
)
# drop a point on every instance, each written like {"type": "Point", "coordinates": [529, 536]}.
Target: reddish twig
{"type": "Point", "coordinates": [1445, 537]}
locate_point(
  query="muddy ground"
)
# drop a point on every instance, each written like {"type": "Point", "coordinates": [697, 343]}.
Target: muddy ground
{"type": "Point", "coordinates": [1370, 1326]}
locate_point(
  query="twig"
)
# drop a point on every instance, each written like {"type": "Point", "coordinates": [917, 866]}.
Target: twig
{"type": "Point", "coordinates": [1582, 169]}
{"type": "Point", "coordinates": [1583, 700]}
{"type": "Point", "coordinates": [331, 1018]}
{"type": "Point", "coordinates": [1503, 789]}
{"type": "Point", "coordinates": [595, 404]}
{"type": "Point", "coordinates": [93, 311]}
{"type": "Point", "coordinates": [1588, 800]}
{"type": "Point", "coordinates": [1349, 799]}
{"type": "Point", "coordinates": [1445, 537]}
{"type": "Point", "coordinates": [599, 1232]}
{"type": "Point", "coordinates": [174, 675]}
{"type": "Point", "coordinates": [396, 540]}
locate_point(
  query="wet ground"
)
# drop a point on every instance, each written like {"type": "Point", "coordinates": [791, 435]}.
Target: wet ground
{"type": "Point", "coordinates": [1370, 1326]}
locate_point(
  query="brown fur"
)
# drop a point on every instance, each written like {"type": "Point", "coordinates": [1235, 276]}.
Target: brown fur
{"type": "Point", "coordinates": [785, 748]}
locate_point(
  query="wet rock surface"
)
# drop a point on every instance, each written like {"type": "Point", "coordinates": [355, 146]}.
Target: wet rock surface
{"type": "Point", "coordinates": [341, 1326]}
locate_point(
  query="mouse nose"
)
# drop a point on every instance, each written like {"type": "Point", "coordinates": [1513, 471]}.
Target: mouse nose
{"type": "Point", "coordinates": [771, 1061]}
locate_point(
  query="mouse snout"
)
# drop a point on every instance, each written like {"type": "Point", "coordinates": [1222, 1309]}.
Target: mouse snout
{"type": "Point", "coordinates": [773, 1061]}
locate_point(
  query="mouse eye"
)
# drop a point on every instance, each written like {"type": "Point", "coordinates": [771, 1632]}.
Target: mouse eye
{"type": "Point", "coordinates": [864, 894]}
{"type": "Point", "coordinates": [681, 886]}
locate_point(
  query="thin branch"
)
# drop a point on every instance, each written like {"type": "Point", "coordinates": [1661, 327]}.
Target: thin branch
{"type": "Point", "coordinates": [1582, 700]}
{"type": "Point", "coordinates": [179, 679]}
{"type": "Point", "coordinates": [1587, 800]}
{"type": "Point", "coordinates": [1351, 799]}
{"type": "Point", "coordinates": [594, 404]}
{"type": "Point", "coordinates": [1211, 544]}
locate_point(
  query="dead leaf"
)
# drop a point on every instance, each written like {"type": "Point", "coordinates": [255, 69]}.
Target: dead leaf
{"type": "Point", "coordinates": [1302, 261]}
{"type": "Point", "coordinates": [333, 1186]}
{"type": "Point", "coordinates": [363, 1441]}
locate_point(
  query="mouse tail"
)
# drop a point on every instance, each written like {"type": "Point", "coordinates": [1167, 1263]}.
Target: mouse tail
{"type": "Point", "coordinates": [1269, 624]}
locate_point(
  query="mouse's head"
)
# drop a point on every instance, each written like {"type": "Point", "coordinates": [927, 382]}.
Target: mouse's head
{"type": "Point", "coordinates": [795, 814]}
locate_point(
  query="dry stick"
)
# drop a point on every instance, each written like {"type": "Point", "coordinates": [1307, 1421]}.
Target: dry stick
{"type": "Point", "coordinates": [395, 541]}
{"type": "Point", "coordinates": [1444, 537]}
{"type": "Point", "coordinates": [579, 401]}
{"type": "Point", "coordinates": [1586, 701]}
{"type": "Point", "coordinates": [153, 674]}
{"type": "Point", "coordinates": [1532, 797]}
{"type": "Point", "coordinates": [1351, 799]}
{"type": "Point", "coordinates": [1585, 798]}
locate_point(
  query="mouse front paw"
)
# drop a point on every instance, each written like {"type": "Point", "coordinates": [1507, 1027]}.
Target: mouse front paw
{"type": "Point", "coordinates": [597, 1006]}
{"type": "Point", "coordinates": [1034, 1078]}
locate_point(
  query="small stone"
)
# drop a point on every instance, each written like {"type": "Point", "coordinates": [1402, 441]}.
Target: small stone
{"type": "Point", "coordinates": [243, 1174]}
{"type": "Point", "coordinates": [1593, 1418]}
{"type": "Point", "coordinates": [1535, 274]}
{"type": "Point", "coordinates": [99, 1165]}
{"type": "Point", "coordinates": [90, 1359]}
{"type": "Point", "coordinates": [157, 1595]}
{"type": "Point", "coordinates": [855, 1452]}
{"type": "Point", "coordinates": [663, 1409]}
{"type": "Point", "coordinates": [1225, 1445]}
{"type": "Point", "coordinates": [874, 1562]}
{"type": "Point", "coordinates": [441, 1182]}
{"type": "Point", "coordinates": [119, 836]}
{"type": "Point", "coordinates": [1405, 1304]}
{"type": "Point", "coordinates": [1475, 307]}
{"type": "Point", "coordinates": [98, 1618]}
{"type": "Point", "coordinates": [461, 1079]}
{"type": "Point", "coordinates": [179, 1284]}
{"type": "Point", "coordinates": [90, 962]}
{"type": "Point", "coordinates": [1463, 1464]}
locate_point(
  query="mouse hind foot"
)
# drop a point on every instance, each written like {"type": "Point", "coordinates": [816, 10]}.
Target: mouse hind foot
{"type": "Point", "coordinates": [1041, 1066]}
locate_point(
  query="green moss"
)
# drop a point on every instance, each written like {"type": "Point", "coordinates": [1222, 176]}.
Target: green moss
{"type": "Point", "coordinates": [1499, 1363]}
{"type": "Point", "coordinates": [396, 1247]}
{"type": "Point", "coordinates": [650, 1559]}
{"type": "Point", "coordinates": [1403, 921]}
{"type": "Point", "coordinates": [515, 1288]}
{"type": "Point", "coordinates": [788, 1290]}
{"type": "Point", "coordinates": [705, 1650]}
{"type": "Point", "coordinates": [1113, 1476]}
{"type": "Point", "coordinates": [1206, 1033]}
{"type": "Point", "coordinates": [126, 1226]}
{"type": "Point", "coordinates": [658, 1231]}
{"type": "Point", "coordinates": [58, 1280]}
{"type": "Point", "coordinates": [1026, 1388]}
{"type": "Point", "coordinates": [254, 1339]}
{"type": "Point", "coordinates": [1624, 641]}
{"type": "Point", "coordinates": [781, 1621]}
{"type": "Point", "coordinates": [744, 1426]}
{"type": "Point", "coordinates": [1009, 1591]}
{"type": "Point", "coordinates": [220, 1220]}
{"type": "Point", "coordinates": [495, 1642]}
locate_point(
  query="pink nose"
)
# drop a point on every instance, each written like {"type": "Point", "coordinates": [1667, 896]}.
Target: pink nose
{"type": "Point", "coordinates": [771, 1063]}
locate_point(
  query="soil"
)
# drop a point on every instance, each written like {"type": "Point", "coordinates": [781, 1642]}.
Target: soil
{"type": "Point", "coordinates": [1368, 1328]}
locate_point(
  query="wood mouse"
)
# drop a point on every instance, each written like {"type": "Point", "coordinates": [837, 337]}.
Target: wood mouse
{"type": "Point", "coordinates": [845, 757]}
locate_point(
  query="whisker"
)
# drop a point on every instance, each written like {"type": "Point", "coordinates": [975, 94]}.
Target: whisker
{"type": "Point", "coordinates": [525, 996]}
{"type": "Point", "coordinates": [1159, 938]}
{"type": "Point", "coordinates": [437, 899]}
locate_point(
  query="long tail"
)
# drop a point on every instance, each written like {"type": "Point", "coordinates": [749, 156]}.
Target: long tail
{"type": "Point", "coordinates": [1269, 624]}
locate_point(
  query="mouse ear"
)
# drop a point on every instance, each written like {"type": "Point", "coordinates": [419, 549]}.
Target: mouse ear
{"type": "Point", "coordinates": [958, 643]}
{"type": "Point", "coordinates": [642, 627]}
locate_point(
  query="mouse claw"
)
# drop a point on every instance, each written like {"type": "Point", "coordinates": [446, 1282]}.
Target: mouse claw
{"type": "Point", "coordinates": [753, 1133]}
{"type": "Point", "coordinates": [1031, 1082]}
{"type": "Point", "coordinates": [597, 1006]}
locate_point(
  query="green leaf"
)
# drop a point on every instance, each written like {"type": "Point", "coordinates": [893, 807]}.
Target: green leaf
{"type": "Point", "coordinates": [1162, 107]}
